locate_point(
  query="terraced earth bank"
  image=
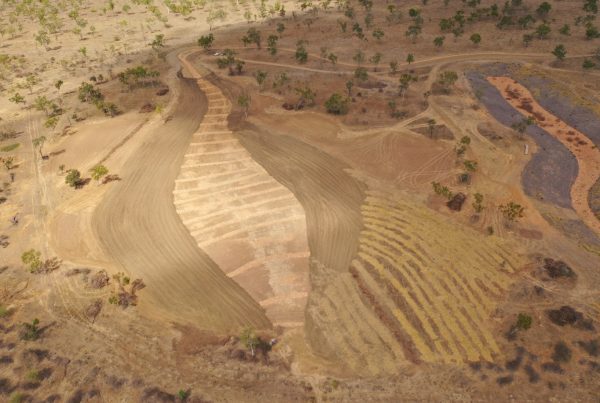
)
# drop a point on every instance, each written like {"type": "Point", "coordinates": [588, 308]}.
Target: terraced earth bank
{"type": "Point", "coordinates": [248, 223]}
{"type": "Point", "coordinates": [184, 283]}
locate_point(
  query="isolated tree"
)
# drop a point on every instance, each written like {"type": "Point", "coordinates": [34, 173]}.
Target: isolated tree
{"type": "Point", "coordinates": [38, 143]}
{"type": "Point", "coordinates": [359, 57]}
{"type": "Point", "coordinates": [58, 84]}
{"type": "Point", "coordinates": [252, 36]}
{"type": "Point", "coordinates": [475, 38]}
{"type": "Point", "coordinates": [307, 97]}
{"type": "Point", "coordinates": [272, 44]}
{"type": "Point", "coordinates": [206, 41]}
{"type": "Point", "coordinates": [588, 64]}
{"type": "Point", "coordinates": [438, 41]}
{"type": "Point", "coordinates": [376, 59]}
{"type": "Point", "coordinates": [158, 42]}
{"type": "Point", "coordinates": [447, 79]}
{"type": "Point", "coordinates": [280, 28]}
{"type": "Point", "coordinates": [332, 58]}
{"type": "Point", "coordinates": [32, 258]}
{"type": "Point", "coordinates": [361, 74]}
{"type": "Point", "coordinates": [301, 53]}
{"type": "Point", "coordinates": [73, 178]}
{"type": "Point", "coordinates": [522, 125]}
{"type": "Point", "coordinates": [560, 52]}
{"type": "Point", "coordinates": [565, 30]}
{"type": "Point", "coordinates": [41, 103]}
{"type": "Point", "coordinates": [260, 77]}
{"type": "Point", "coordinates": [244, 102]}
{"type": "Point", "coordinates": [393, 67]}
{"type": "Point", "coordinates": [337, 104]}
{"type": "Point", "coordinates": [527, 39]}
{"type": "Point", "coordinates": [544, 9]}
{"type": "Point", "coordinates": [98, 171]}
{"type": "Point", "coordinates": [591, 32]}
{"type": "Point", "coordinates": [405, 80]}
{"type": "Point", "coordinates": [410, 58]}
{"type": "Point", "coordinates": [250, 340]}
{"type": "Point", "coordinates": [83, 51]}
{"type": "Point", "coordinates": [378, 34]}
{"type": "Point", "coordinates": [17, 98]}
{"type": "Point", "coordinates": [431, 125]}
{"type": "Point", "coordinates": [349, 86]}
{"type": "Point", "coordinates": [542, 31]}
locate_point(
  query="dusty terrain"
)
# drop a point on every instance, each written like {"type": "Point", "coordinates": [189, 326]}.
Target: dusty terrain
{"type": "Point", "coordinates": [247, 244]}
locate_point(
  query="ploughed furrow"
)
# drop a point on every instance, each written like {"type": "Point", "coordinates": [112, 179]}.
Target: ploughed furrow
{"type": "Point", "coordinates": [439, 286]}
{"type": "Point", "coordinates": [248, 223]}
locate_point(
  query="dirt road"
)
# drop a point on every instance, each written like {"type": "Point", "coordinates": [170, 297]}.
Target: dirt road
{"type": "Point", "coordinates": [141, 231]}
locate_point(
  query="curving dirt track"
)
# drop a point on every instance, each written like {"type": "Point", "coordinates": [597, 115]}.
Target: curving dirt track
{"type": "Point", "coordinates": [140, 230]}
{"type": "Point", "coordinates": [588, 156]}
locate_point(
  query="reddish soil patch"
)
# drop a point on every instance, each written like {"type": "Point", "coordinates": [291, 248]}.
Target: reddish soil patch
{"type": "Point", "coordinates": [587, 155]}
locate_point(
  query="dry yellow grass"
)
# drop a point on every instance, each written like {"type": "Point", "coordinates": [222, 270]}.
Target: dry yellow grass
{"type": "Point", "coordinates": [441, 304]}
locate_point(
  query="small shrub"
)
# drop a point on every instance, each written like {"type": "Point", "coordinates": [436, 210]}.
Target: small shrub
{"type": "Point", "coordinates": [523, 321]}
{"type": "Point", "coordinates": [30, 331]}
{"type": "Point", "coordinates": [4, 312]}
{"type": "Point", "coordinates": [33, 376]}
{"type": "Point", "coordinates": [562, 353]}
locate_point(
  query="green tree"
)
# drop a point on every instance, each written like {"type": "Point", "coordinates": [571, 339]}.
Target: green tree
{"type": "Point", "coordinates": [565, 30]}
{"type": "Point", "coordinates": [307, 97]}
{"type": "Point", "coordinates": [361, 74]}
{"type": "Point", "coordinates": [447, 79]}
{"type": "Point", "coordinates": [542, 31]}
{"type": "Point", "coordinates": [17, 98]}
{"type": "Point", "coordinates": [393, 67]}
{"type": "Point", "coordinates": [252, 36]}
{"type": "Point", "coordinates": [73, 178]}
{"type": "Point", "coordinates": [272, 44]}
{"type": "Point", "coordinates": [349, 86]}
{"type": "Point", "coordinates": [378, 34]}
{"type": "Point", "coordinates": [38, 143]}
{"type": "Point", "coordinates": [410, 58]}
{"type": "Point", "coordinates": [301, 53]}
{"type": "Point", "coordinates": [560, 52]}
{"type": "Point", "coordinates": [244, 101]}
{"type": "Point", "coordinates": [58, 84]}
{"type": "Point", "coordinates": [544, 9]}
{"type": "Point", "coordinates": [476, 39]}
{"type": "Point", "coordinates": [588, 64]}
{"type": "Point", "coordinates": [32, 258]}
{"type": "Point", "coordinates": [280, 28]}
{"type": "Point", "coordinates": [260, 77]}
{"type": "Point", "coordinates": [250, 340]}
{"type": "Point", "coordinates": [98, 172]}
{"type": "Point", "coordinates": [158, 42]}
{"type": "Point", "coordinates": [337, 104]}
{"type": "Point", "coordinates": [206, 41]}
{"type": "Point", "coordinates": [438, 41]}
